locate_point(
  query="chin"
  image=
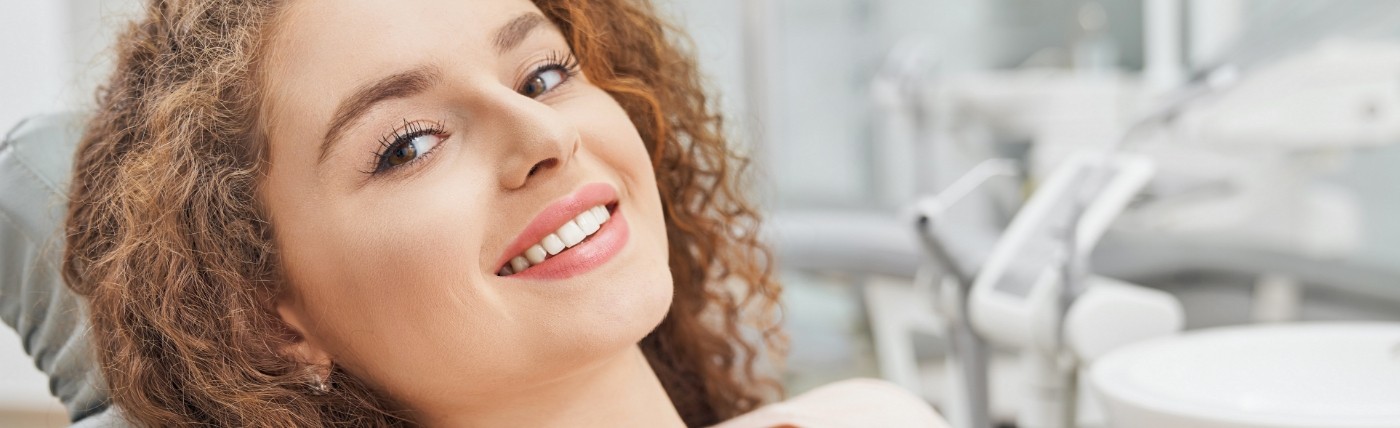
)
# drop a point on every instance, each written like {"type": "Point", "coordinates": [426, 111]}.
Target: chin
{"type": "Point", "coordinates": [630, 309]}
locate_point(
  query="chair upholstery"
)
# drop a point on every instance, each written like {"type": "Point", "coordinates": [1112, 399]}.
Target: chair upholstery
{"type": "Point", "coordinates": [36, 160]}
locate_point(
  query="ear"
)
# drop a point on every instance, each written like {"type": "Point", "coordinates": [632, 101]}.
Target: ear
{"type": "Point", "coordinates": [300, 346]}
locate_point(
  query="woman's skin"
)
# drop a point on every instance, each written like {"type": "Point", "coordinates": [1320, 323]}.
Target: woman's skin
{"type": "Point", "coordinates": [394, 274]}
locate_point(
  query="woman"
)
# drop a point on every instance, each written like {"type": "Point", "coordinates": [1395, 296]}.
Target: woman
{"type": "Point", "coordinates": [444, 213]}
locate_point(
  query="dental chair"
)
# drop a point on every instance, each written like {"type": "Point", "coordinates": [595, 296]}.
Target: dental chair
{"type": "Point", "coordinates": [36, 159]}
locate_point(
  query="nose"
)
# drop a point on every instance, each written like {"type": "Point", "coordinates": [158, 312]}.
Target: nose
{"type": "Point", "coordinates": [538, 141]}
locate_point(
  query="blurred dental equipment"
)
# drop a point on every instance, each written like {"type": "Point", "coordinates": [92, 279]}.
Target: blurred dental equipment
{"type": "Point", "coordinates": [946, 254]}
{"type": "Point", "coordinates": [1033, 292]}
{"type": "Point", "coordinates": [1233, 147]}
{"type": "Point", "coordinates": [1238, 156]}
{"type": "Point", "coordinates": [1218, 169]}
{"type": "Point", "coordinates": [1332, 375]}
{"type": "Point", "coordinates": [1028, 294]}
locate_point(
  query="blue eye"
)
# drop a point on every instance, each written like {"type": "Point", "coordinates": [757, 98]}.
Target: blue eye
{"type": "Point", "coordinates": [544, 81]}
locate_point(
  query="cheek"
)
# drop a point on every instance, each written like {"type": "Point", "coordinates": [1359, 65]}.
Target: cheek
{"type": "Point", "coordinates": [610, 135]}
{"type": "Point", "coordinates": [429, 230]}
{"type": "Point", "coordinates": [391, 275]}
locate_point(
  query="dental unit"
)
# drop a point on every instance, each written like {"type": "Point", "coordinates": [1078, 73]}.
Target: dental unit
{"type": "Point", "coordinates": [1033, 291]}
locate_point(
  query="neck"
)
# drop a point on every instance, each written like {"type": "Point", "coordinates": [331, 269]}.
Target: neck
{"type": "Point", "coordinates": [623, 391]}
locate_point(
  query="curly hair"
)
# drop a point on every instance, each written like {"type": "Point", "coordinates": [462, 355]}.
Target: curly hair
{"type": "Point", "coordinates": [171, 247]}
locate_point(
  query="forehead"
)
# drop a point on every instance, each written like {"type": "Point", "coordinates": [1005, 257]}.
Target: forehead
{"type": "Point", "coordinates": [320, 49]}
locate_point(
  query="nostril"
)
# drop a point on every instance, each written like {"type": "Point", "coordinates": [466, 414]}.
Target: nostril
{"type": "Point", "coordinates": [547, 163]}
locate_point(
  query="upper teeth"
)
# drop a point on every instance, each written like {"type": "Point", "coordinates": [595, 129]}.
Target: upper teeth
{"type": "Point", "coordinates": [570, 234]}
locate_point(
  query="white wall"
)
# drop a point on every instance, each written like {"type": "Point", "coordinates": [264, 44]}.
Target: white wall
{"type": "Point", "coordinates": [33, 58]}
{"type": "Point", "coordinates": [51, 53]}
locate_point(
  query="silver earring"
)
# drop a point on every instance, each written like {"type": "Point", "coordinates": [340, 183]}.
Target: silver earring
{"type": "Point", "coordinates": [319, 384]}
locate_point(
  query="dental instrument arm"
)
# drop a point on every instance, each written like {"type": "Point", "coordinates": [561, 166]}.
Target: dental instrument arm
{"type": "Point", "coordinates": [970, 356]}
{"type": "Point", "coordinates": [1028, 292]}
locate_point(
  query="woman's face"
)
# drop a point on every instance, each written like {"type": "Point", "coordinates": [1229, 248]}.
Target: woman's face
{"type": "Point", "coordinates": [427, 159]}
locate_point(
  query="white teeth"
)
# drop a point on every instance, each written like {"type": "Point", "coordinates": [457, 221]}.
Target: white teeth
{"type": "Point", "coordinates": [570, 234]}
{"type": "Point", "coordinates": [587, 222]}
{"type": "Point", "coordinates": [552, 244]}
{"type": "Point", "coordinates": [535, 254]}
{"type": "Point", "coordinates": [518, 264]}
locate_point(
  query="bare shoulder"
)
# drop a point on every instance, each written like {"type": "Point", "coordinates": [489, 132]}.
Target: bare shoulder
{"type": "Point", "coordinates": [846, 404]}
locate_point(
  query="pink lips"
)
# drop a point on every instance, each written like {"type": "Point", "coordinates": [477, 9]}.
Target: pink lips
{"type": "Point", "coordinates": [594, 251]}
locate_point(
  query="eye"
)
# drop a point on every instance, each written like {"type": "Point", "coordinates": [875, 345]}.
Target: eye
{"type": "Point", "coordinates": [544, 80]}
{"type": "Point", "coordinates": [408, 148]}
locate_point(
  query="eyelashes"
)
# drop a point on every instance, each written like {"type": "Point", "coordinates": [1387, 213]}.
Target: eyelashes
{"type": "Point", "coordinates": [408, 144]}
{"type": "Point", "coordinates": [413, 141]}
{"type": "Point", "coordinates": [556, 70]}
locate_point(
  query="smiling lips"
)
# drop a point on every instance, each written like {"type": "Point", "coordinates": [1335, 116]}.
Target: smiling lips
{"type": "Point", "coordinates": [571, 236]}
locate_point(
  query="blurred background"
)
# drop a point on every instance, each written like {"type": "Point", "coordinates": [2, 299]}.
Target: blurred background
{"type": "Point", "coordinates": [1274, 139]}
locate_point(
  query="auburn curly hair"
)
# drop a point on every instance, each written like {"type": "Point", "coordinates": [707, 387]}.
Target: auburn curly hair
{"type": "Point", "coordinates": [171, 247]}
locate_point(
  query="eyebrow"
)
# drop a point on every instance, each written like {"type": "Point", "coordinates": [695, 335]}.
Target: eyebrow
{"type": "Point", "coordinates": [416, 81]}
{"type": "Point", "coordinates": [401, 85]}
{"type": "Point", "coordinates": [514, 32]}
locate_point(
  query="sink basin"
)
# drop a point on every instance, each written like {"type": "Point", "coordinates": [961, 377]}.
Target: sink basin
{"type": "Point", "coordinates": [1332, 375]}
